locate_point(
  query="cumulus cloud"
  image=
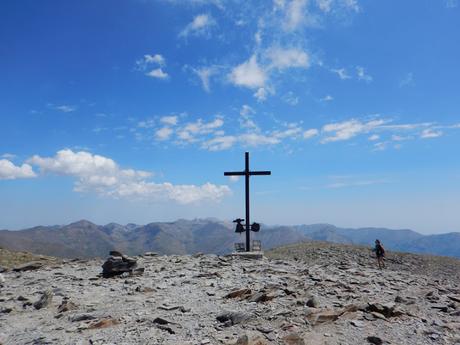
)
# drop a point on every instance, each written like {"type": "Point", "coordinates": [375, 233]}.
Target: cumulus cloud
{"type": "Point", "coordinates": [9, 171]}
{"type": "Point", "coordinates": [163, 133]}
{"type": "Point", "coordinates": [282, 58]}
{"type": "Point", "coordinates": [246, 110]}
{"type": "Point", "coordinates": [327, 98]}
{"type": "Point", "coordinates": [430, 133]}
{"type": "Point", "coordinates": [195, 131]}
{"type": "Point", "coordinates": [248, 74]}
{"type": "Point", "coordinates": [198, 26]}
{"type": "Point", "coordinates": [219, 143]}
{"type": "Point", "coordinates": [348, 129]}
{"type": "Point", "coordinates": [95, 173]}
{"type": "Point", "coordinates": [295, 14]}
{"type": "Point", "coordinates": [157, 73]}
{"type": "Point", "coordinates": [310, 133]}
{"type": "Point", "coordinates": [169, 120]}
{"type": "Point", "coordinates": [261, 94]}
{"type": "Point", "coordinates": [256, 139]}
{"type": "Point", "coordinates": [148, 61]}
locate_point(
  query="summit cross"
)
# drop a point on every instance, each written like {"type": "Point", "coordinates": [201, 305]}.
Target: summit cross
{"type": "Point", "coordinates": [246, 173]}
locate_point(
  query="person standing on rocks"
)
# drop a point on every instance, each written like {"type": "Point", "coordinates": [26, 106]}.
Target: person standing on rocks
{"type": "Point", "coordinates": [380, 253]}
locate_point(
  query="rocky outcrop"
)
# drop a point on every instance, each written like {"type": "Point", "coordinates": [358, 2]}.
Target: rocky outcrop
{"type": "Point", "coordinates": [117, 264]}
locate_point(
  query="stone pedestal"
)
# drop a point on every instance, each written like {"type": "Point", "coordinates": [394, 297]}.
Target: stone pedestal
{"type": "Point", "coordinates": [249, 255]}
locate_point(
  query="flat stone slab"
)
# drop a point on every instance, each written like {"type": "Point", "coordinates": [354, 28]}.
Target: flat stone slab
{"type": "Point", "coordinates": [249, 255]}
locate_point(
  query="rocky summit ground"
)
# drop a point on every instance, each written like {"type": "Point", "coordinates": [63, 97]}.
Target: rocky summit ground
{"type": "Point", "coordinates": [317, 294]}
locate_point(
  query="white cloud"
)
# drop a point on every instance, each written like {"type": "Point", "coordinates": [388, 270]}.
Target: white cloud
{"type": "Point", "coordinates": [256, 139]}
{"type": "Point", "coordinates": [374, 137]}
{"type": "Point", "coordinates": [234, 178]}
{"type": "Point", "coordinates": [324, 5]}
{"type": "Point", "coordinates": [205, 75]}
{"type": "Point", "coordinates": [295, 14]}
{"type": "Point", "coordinates": [346, 184]}
{"type": "Point", "coordinates": [430, 133]}
{"type": "Point", "coordinates": [246, 110]}
{"type": "Point", "coordinates": [102, 175]}
{"type": "Point", "coordinates": [219, 143]}
{"type": "Point", "coordinates": [327, 98]}
{"type": "Point", "coordinates": [291, 132]}
{"type": "Point", "coordinates": [149, 123]}
{"type": "Point", "coordinates": [348, 129]}
{"type": "Point", "coordinates": [291, 99]}
{"type": "Point", "coordinates": [351, 4]}
{"type": "Point", "coordinates": [9, 171]}
{"type": "Point", "coordinates": [248, 74]}
{"type": "Point", "coordinates": [199, 26]}
{"type": "Point", "coordinates": [65, 108]}
{"type": "Point", "coordinates": [342, 73]}
{"type": "Point", "coordinates": [157, 58]}
{"type": "Point", "coordinates": [147, 60]}
{"type": "Point", "coordinates": [195, 131]}
{"type": "Point", "coordinates": [157, 73]}
{"type": "Point", "coordinates": [163, 133]}
{"type": "Point", "coordinates": [396, 137]}
{"type": "Point", "coordinates": [246, 120]}
{"type": "Point", "coordinates": [169, 120]}
{"type": "Point", "coordinates": [310, 133]}
{"type": "Point", "coordinates": [362, 74]}
{"type": "Point", "coordinates": [380, 146]}
{"type": "Point", "coordinates": [261, 94]}
{"type": "Point", "coordinates": [282, 58]}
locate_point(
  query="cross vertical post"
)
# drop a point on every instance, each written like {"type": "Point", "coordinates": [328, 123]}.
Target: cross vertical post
{"type": "Point", "coordinates": [248, 223]}
{"type": "Point", "coordinates": [247, 173]}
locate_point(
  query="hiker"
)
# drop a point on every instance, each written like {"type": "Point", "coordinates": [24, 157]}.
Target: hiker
{"type": "Point", "coordinates": [380, 253]}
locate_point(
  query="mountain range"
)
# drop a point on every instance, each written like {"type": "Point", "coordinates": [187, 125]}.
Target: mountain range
{"type": "Point", "coordinates": [85, 239]}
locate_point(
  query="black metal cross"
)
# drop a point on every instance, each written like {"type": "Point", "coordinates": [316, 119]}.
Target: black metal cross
{"type": "Point", "coordinates": [247, 173]}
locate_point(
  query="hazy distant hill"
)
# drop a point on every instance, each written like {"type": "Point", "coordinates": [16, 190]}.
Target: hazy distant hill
{"type": "Point", "coordinates": [85, 239]}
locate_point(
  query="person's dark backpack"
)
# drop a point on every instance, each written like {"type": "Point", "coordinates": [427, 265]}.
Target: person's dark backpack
{"type": "Point", "coordinates": [379, 250]}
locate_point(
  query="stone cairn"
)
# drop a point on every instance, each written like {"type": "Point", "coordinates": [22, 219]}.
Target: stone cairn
{"type": "Point", "coordinates": [118, 263]}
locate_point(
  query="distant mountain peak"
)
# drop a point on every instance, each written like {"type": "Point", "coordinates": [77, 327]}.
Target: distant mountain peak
{"type": "Point", "coordinates": [83, 223]}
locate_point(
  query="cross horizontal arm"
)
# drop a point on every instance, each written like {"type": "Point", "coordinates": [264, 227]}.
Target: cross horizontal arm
{"type": "Point", "coordinates": [234, 173]}
{"type": "Point", "coordinates": [260, 173]}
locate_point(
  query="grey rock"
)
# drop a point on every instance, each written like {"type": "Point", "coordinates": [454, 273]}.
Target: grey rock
{"type": "Point", "coordinates": [374, 340]}
{"type": "Point", "coordinates": [232, 318]}
{"type": "Point", "coordinates": [313, 302]}
{"type": "Point", "coordinates": [29, 266]}
{"type": "Point", "coordinates": [45, 300]}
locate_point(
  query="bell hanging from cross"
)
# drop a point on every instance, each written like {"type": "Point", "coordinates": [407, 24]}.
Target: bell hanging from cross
{"type": "Point", "coordinates": [255, 227]}
{"type": "Point", "coordinates": [239, 227]}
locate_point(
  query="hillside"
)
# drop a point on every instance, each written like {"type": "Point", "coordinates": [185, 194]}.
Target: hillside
{"type": "Point", "coordinates": [307, 294]}
{"type": "Point", "coordinates": [87, 240]}
{"type": "Point", "coordinates": [10, 259]}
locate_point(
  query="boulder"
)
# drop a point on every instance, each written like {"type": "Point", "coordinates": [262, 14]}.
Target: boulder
{"type": "Point", "coordinates": [117, 264]}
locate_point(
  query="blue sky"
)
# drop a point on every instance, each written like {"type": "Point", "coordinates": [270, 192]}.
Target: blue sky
{"type": "Point", "coordinates": [130, 111]}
